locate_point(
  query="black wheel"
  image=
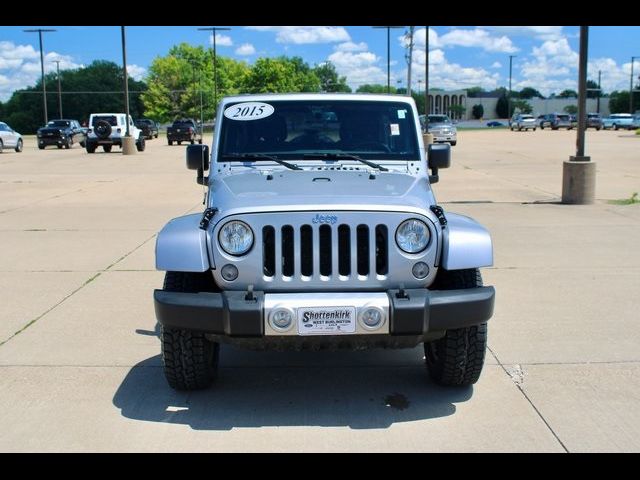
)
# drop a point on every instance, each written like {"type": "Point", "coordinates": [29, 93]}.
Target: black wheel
{"type": "Point", "coordinates": [68, 144]}
{"type": "Point", "coordinates": [156, 135]}
{"type": "Point", "coordinates": [541, 127]}
{"type": "Point", "coordinates": [19, 145]}
{"type": "Point", "coordinates": [107, 148]}
{"type": "Point", "coordinates": [453, 144]}
{"type": "Point", "coordinates": [83, 144]}
{"type": "Point", "coordinates": [1, 146]}
{"type": "Point", "coordinates": [457, 358]}
{"type": "Point", "coordinates": [59, 147]}
{"type": "Point", "coordinates": [179, 142]}
{"type": "Point", "coordinates": [102, 129]}
{"type": "Point", "coordinates": [170, 142]}
{"type": "Point", "coordinates": [140, 144]}
{"type": "Point", "coordinates": [597, 129]}
{"type": "Point", "coordinates": [534, 129]}
{"type": "Point", "coordinates": [41, 147]}
{"type": "Point", "coordinates": [615, 126]}
{"type": "Point", "coordinates": [91, 148]}
{"type": "Point", "coordinates": [190, 360]}
{"type": "Point", "coordinates": [200, 141]}
{"type": "Point", "coordinates": [192, 141]}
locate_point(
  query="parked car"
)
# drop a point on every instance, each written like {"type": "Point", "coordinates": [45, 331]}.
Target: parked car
{"type": "Point", "coordinates": [555, 121]}
{"type": "Point", "coordinates": [61, 133]}
{"type": "Point", "coordinates": [9, 138]}
{"type": "Point", "coordinates": [574, 121]}
{"type": "Point", "coordinates": [321, 238]}
{"type": "Point", "coordinates": [441, 127]}
{"type": "Point", "coordinates": [149, 128]}
{"type": "Point", "coordinates": [635, 123]}
{"type": "Point", "coordinates": [495, 123]}
{"type": "Point", "coordinates": [617, 121]}
{"type": "Point", "coordinates": [594, 120]}
{"type": "Point", "coordinates": [523, 121]}
{"type": "Point", "coordinates": [184, 130]}
{"type": "Point", "coordinates": [107, 130]}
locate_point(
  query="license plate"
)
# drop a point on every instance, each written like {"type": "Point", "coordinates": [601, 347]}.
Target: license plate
{"type": "Point", "coordinates": [326, 320]}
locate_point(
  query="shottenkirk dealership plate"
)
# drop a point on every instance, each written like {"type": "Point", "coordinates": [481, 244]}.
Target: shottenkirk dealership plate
{"type": "Point", "coordinates": [326, 320]}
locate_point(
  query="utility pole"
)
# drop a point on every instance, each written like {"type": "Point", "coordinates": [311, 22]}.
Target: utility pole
{"type": "Point", "coordinates": [44, 87]}
{"type": "Point", "coordinates": [579, 173]}
{"type": "Point", "coordinates": [511, 57]}
{"type": "Point", "coordinates": [599, 90]}
{"type": "Point", "coordinates": [426, 76]}
{"type": "Point", "coordinates": [57, 62]}
{"type": "Point", "coordinates": [410, 60]}
{"type": "Point", "coordinates": [128, 142]}
{"type": "Point", "coordinates": [215, 68]}
{"type": "Point", "coordinates": [389, 27]}
{"type": "Point", "coordinates": [631, 87]}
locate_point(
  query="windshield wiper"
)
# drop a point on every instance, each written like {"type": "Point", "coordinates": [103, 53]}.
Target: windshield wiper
{"type": "Point", "coordinates": [260, 156]}
{"type": "Point", "coordinates": [344, 156]}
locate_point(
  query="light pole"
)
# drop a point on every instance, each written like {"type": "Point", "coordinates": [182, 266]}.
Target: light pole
{"type": "Point", "coordinates": [511, 57]}
{"type": "Point", "coordinates": [599, 89]}
{"type": "Point", "coordinates": [128, 143]}
{"type": "Point", "coordinates": [57, 62]}
{"type": "Point", "coordinates": [426, 77]}
{"type": "Point", "coordinates": [410, 59]}
{"type": "Point", "coordinates": [631, 87]}
{"type": "Point", "coordinates": [215, 68]}
{"type": "Point", "coordinates": [388, 55]}
{"type": "Point", "coordinates": [44, 87]}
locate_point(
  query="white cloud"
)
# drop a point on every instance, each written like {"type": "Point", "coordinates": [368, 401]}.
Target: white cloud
{"type": "Point", "coordinates": [477, 38]}
{"type": "Point", "coordinates": [552, 67]}
{"type": "Point", "coordinates": [496, 65]}
{"type": "Point", "coordinates": [307, 35]}
{"type": "Point", "coordinates": [221, 40]}
{"type": "Point", "coordinates": [541, 33]}
{"type": "Point", "coordinates": [136, 72]}
{"type": "Point", "coordinates": [20, 66]}
{"type": "Point", "coordinates": [351, 47]}
{"type": "Point", "coordinates": [614, 76]}
{"type": "Point", "coordinates": [359, 68]}
{"type": "Point", "coordinates": [246, 49]}
{"type": "Point", "coordinates": [419, 38]}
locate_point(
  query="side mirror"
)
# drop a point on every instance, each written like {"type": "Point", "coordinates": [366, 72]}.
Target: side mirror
{"type": "Point", "coordinates": [438, 156]}
{"type": "Point", "coordinates": [198, 159]}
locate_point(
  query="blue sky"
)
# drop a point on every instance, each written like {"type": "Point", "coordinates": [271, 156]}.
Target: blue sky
{"type": "Point", "coordinates": [460, 56]}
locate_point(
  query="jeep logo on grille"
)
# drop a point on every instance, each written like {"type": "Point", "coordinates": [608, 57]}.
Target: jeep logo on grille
{"type": "Point", "coordinates": [327, 219]}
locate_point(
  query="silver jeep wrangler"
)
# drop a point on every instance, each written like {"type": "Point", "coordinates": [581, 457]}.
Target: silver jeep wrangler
{"type": "Point", "coordinates": [321, 230]}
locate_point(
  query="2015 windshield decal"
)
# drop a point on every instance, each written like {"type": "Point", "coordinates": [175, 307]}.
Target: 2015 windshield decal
{"type": "Point", "coordinates": [248, 111]}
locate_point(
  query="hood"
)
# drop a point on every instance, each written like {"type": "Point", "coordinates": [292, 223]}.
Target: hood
{"type": "Point", "coordinates": [320, 190]}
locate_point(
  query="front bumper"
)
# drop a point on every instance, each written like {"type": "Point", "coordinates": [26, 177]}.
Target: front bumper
{"type": "Point", "coordinates": [411, 312]}
{"type": "Point", "coordinates": [442, 137]}
{"type": "Point", "coordinates": [180, 137]}
{"type": "Point", "coordinates": [52, 141]}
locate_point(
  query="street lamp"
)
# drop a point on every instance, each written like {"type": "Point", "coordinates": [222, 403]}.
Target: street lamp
{"type": "Point", "coordinates": [215, 69]}
{"type": "Point", "coordinates": [57, 62]}
{"type": "Point", "coordinates": [511, 57]}
{"type": "Point", "coordinates": [388, 55]}
{"type": "Point", "coordinates": [128, 142]}
{"type": "Point", "coordinates": [631, 87]}
{"type": "Point", "coordinates": [44, 87]}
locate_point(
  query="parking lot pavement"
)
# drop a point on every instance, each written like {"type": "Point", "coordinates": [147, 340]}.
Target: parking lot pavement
{"type": "Point", "coordinates": [78, 233]}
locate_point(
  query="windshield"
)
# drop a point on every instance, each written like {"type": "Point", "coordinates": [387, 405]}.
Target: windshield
{"type": "Point", "coordinates": [527, 117]}
{"type": "Point", "coordinates": [58, 123]}
{"type": "Point", "coordinates": [183, 123]}
{"type": "Point", "coordinates": [439, 119]}
{"type": "Point", "coordinates": [563, 117]}
{"type": "Point", "coordinates": [291, 129]}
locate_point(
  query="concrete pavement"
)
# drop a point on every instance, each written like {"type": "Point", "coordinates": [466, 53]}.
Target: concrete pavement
{"type": "Point", "coordinates": [77, 233]}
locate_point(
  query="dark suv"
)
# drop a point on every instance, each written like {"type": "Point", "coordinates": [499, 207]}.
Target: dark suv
{"type": "Point", "coordinates": [594, 120]}
{"type": "Point", "coordinates": [555, 121]}
{"type": "Point", "coordinates": [149, 128]}
{"type": "Point", "coordinates": [184, 130]}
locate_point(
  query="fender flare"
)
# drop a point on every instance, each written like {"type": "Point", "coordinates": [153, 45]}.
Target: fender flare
{"type": "Point", "coordinates": [181, 246]}
{"type": "Point", "coordinates": [466, 244]}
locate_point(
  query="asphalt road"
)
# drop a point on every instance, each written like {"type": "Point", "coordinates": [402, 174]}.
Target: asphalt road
{"type": "Point", "coordinates": [79, 354]}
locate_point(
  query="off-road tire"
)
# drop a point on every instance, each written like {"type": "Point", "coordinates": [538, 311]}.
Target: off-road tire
{"type": "Point", "coordinates": [453, 144]}
{"type": "Point", "coordinates": [170, 142]}
{"type": "Point", "coordinates": [68, 144]}
{"type": "Point", "coordinates": [140, 144]}
{"type": "Point", "coordinates": [190, 360]}
{"type": "Point", "coordinates": [457, 358]}
{"type": "Point", "coordinates": [41, 147]}
{"type": "Point", "coordinates": [91, 148]}
{"type": "Point", "coordinates": [107, 148]}
{"type": "Point", "coordinates": [1, 146]}
{"type": "Point", "coordinates": [19, 145]}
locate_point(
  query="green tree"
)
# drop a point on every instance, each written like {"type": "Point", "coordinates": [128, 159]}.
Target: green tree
{"type": "Point", "coordinates": [477, 111]}
{"type": "Point", "coordinates": [376, 88]}
{"type": "Point", "coordinates": [590, 92]}
{"type": "Point", "coordinates": [281, 75]}
{"type": "Point", "coordinates": [475, 92]}
{"type": "Point", "coordinates": [571, 109]}
{"type": "Point", "coordinates": [529, 92]}
{"type": "Point", "coordinates": [330, 81]}
{"type": "Point", "coordinates": [521, 105]}
{"type": "Point", "coordinates": [568, 93]}
{"type": "Point", "coordinates": [457, 111]}
{"type": "Point", "coordinates": [96, 88]}
{"type": "Point", "coordinates": [619, 101]}
{"type": "Point", "coordinates": [502, 107]}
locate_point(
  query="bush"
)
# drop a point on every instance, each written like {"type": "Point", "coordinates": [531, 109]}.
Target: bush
{"type": "Point", "coordinates": [477, 111]}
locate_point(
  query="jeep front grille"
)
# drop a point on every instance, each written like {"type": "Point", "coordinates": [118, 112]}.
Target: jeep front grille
{"type": "Point", "coordinates": [327, 251]}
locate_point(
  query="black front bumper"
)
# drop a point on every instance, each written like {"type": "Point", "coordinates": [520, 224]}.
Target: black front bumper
{"type": "Point", "coordinates": [180, 137]}
{"type": "Point", "coordinates": [46, 141]}
{"type": "Point", "coordinates": [412, 312]}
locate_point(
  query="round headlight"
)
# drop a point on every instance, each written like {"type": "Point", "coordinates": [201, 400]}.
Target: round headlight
{"type": "Point", "coordinates": [236, 238]}
{"type": "Point", "coordinates": [413, 236]}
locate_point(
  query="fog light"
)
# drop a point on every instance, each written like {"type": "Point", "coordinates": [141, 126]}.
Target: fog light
{"type": "Point", "coordinates": [372, 318]}
{"type": "Point", "coordinates": [420, 270]}
{"type": "Point", "coordinates": [281, 319]}
{"type": "Point", "coordinates": [229, 272]}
